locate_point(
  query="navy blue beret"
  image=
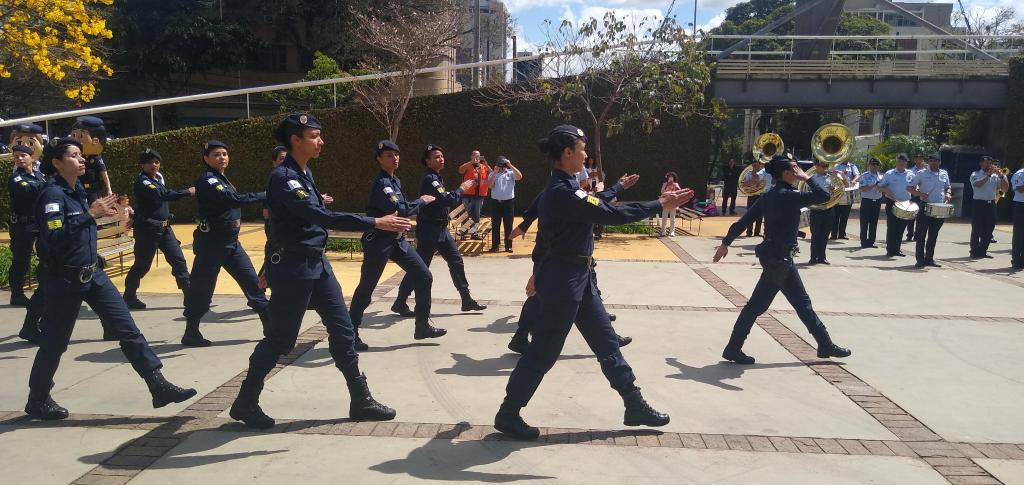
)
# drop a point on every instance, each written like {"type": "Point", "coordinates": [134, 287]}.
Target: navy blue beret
{"type": "Point", "coordinates": [874, 161]}
{"type": "Point", "coordinates": [903, 156]}
{"type": "Point", "coordinates": [211, 145]}
{"type": "Point", "coordinates": [28, 128]}
{"type": "Point", "coordinates": [87, 122]}
{"type": "Point", "coordinates": [293, 124]}
{"type": "Point", "coordinates": [569, 130]}
{"type": "Point", "coordinates": [149, 154]}
{"type": "Point", "coordinates": [386, 145]}
{"type": "Point", "coordinates": [21, 148]}
{"type": "Point", "coordinates": [934, 156]}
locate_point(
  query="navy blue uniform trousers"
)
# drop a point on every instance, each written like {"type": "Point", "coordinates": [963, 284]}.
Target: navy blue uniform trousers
{"type": "Point", "coordinates": [288, 303]}
{"type": "Point", "coordinates": [375, 258]}
{"type": "Point", "coordinates": [869, 210]}
{"type": "Point", "coordinates": [894, 227]}
{"type": "Point", "coordinates": [925, 235]}
{"type": "Point", "coordinates": [559, 314]}
{"type": "Point", "coordinates": [22, 240]}
{"type": "Point", "coordinates": [1017, 246]}
{"type": "Point", "coordinates": [777, 275]}
{"type": "Point", "coordinates": [61, 305]}
{"type": "Point", "coordinates": [822, 222]}
{"type": "Point", "coordinates": [147, 241]}
{"type": "Point", "coordinates": [214, 251]}
{"type": "Point", "coordinates": [983, 222]}
{"type": "Point", "coordinates": [428, 243]}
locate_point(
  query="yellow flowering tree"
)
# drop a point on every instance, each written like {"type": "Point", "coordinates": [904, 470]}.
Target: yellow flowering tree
{"type": "Point", "coordinates": [59, 40]}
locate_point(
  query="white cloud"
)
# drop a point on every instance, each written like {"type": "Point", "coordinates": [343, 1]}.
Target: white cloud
{"type": "Point", "coordinates": [712, 22]}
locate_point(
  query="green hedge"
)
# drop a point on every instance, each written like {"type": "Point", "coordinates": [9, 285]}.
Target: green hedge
{"type": "Point", "coordinates": [346, 165]}
{"type": "Point", "coordinates": [5, 266]}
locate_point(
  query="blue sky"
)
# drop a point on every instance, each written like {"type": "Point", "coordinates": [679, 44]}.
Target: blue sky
{"type": "Point", "coordinates": [530, 14]}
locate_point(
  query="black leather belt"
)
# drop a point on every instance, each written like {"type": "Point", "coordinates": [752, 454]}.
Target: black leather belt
{"type": "Point", "coordinates": [573, 259]}
{"type": "Point", "coordinates": [157, 223]}
{"type": "Point", "coordinates": [22, 219]}
{"type": "Point", "coordinates": [984, 201]}
{"type": "Point", "coordinates": [307, 251]}
{"type": "Point", "coordinates": [83, 274]}
{"type": "Point", "coordinates": [370, 236]}
{"type": "Point", "coordinates": [207, 226]}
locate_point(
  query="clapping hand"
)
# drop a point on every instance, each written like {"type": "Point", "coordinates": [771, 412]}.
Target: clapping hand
{"type": "Point", "coordinates": [427, 198]}
{"type": "Point", "coordinates": [105, 206]}
{"type": "Point", "coordinates": [393, 223]}
{"type": "Point", "coordinates": [467, 184]}
{"type": "Point", "coordinates": [671, 200]}
{"type": "Point", "coordinates": [628, 180]}
{"type": "Point", "coordinates": [328, 199]}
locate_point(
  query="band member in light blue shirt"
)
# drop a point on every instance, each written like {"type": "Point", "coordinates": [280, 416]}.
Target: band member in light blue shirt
{"type": "Point", "coordinates": [894, 187]}
{"type": "Point", "coordinates": [870, 203]}
{"type": "Point", "coordinates": [985, 182]}
{"type": "Point", "coordinates": [851, 174]}
{"type": "Point", "coordinates": [1017, 248]}
{"type": "Point", "coordinates": [933, 187]}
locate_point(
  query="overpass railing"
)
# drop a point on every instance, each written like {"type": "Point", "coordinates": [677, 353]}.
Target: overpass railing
{"type": "Point", "coordinates": [867, 47]}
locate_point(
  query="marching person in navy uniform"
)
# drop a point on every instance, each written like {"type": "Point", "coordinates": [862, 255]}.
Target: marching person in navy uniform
{"type": "Point", "coordinates": [851, 174]}
{"type": "Point", "coordinates": [23, 188]}
{"type": "Point", "coordinates": [381, 245]}
{"type": "Point", "coordinates": [822, 219]}
{"type": "Point", "coordinates": [894, 187]}
{"type": "Point", "coordinates": [215, 244]}
{"type": "Point", "coordinates": [931, 186]}
{"type": "Point", "coordinates": [529, 314]}
{"type": "Point", "coordinates": [567, 289]}
{"type": "Point", "coordinates": [302, 277]}
{"type": "Point", "coordinates": [781, 210]}
{"type": "Point", "coordinates": [986, 182]}
{"type": "Point", "coordinates": [432, 234]}
{"type": "Point", "coordinates": [72, 272]}
{"type": "Point", "coordinates": [870, 203]}
{"type": "Point", "coordinates": [1017, 244]}
{"type": "Point", "coordinates": [152, 228]}
{"type": "Point", "coordinates": [92, 135]}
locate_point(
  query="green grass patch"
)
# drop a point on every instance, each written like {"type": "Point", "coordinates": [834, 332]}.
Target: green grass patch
{"type": "Point", "coordinates": [343, 245]}
{"type": "Point", "coordinates": [640, 227]}
{"type": "Point", "coordinates": [5, 265]}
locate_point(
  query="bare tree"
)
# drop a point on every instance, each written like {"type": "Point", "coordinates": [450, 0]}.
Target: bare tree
{"type": "Point", "coordinates": [612, 73]}
{"type": "Point", "coordinates": [410, 36]}
{"type": "Point", "coordinates": [991, 21]}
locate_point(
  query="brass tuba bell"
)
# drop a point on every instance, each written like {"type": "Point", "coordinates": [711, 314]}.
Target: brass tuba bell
{"type": "Point", "coordinates": [832, 144]}
{"type": "Point", "coordinates": [766, 146]}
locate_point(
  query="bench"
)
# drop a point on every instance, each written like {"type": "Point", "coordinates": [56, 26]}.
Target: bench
{"type": "Point", "coordinates": [462, 225]}
{"type": "Point", "coordinates": [112, 238]}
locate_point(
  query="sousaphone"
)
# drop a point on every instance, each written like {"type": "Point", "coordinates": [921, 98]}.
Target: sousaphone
{"type": "Point", "coordinates": [832, 144]}
{"type": "Point", "coordinates": [765, 147]}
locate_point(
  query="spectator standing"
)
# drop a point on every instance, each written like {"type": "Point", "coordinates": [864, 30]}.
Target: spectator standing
{"type": "Point", "coordinates": [670, 185]}
{"type": "Point", "coordinates": [477, 170]}
{"type": "Point", "coordinates": [731, 179]}
{"type": "Point", "coordinates": [503, 196]}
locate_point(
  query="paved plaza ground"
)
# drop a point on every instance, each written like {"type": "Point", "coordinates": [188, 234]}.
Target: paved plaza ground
{"type": "Point", "coordinates": [933, 393]}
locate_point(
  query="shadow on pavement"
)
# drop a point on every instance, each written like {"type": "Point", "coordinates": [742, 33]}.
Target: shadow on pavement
{"type": "Point", "coordinates": [715, 374]}
{"type": "Point", "coordinates": [494, 366]}
{"type": "Point", "coordinates": [501, 325]}
{"type": "Point", "coordinates": [449, 460]}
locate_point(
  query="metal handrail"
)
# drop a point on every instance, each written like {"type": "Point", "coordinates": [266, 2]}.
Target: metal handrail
{"type": "Point", "coordinates": [262, 89]}
{"type": "Point", "coordinates": [859, 37]}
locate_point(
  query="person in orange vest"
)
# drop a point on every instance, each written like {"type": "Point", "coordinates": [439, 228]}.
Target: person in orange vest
{"type": "Point", "coordinates": [477, 170]}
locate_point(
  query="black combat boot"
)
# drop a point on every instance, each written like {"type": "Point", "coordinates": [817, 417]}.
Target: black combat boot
{"type": "Point", "coordinates": [425, 330]}
{"type": "Point", "coordinates": [403, 309]}
{"type": "Point", "coordinates": [246, 407]}
{"type": "Point", "coordinates": [363, 406]}
{"type": "Point", "coordinates": [164, 392]}
{"type": "Point", "coordinates": [520, 341]}
{"type": "Point", "coordinates": [41, 406]}
{"type": "Point", "coordinates": [826, 348]}
{"type": "Point", "coordinates": [624, 341]}
{"type": "Point", "coordinates": [193, 337]}
{"type": "Point", "coordinates": [734, 351]}
{"type": "Point", "coordinates": [30, 332]}
{"type": "Point", "coordinates": [508, 421]}
{"type": "Point", "coordinates": [639, 413]}
{"type": "Point", "coordinates": [469, 304]}
{"type": "Point", "coordinates": [131, 285]}
{"type": "Point", "coordinates": [19, 299]}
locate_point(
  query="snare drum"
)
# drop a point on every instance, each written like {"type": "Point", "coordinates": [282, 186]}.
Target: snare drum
{"type": "Point", "coordinates": [905, 210]}
{"type": "Point", "coordinates": [938, 210]}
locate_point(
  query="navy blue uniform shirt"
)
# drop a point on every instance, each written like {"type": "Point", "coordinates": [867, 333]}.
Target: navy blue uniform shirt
{"type": "Point", "coordinates": [24, 187]}
{"type": "Point", "coordinates": [92, 180]}
{"type": "Point", "coordinates": [780, 208]}
{"type": "Point", "coordinates": [67, 232]}
{"type": "Point", "coordinates": [297, 212]}
{"type": "Point", "coordinates": [437, 212]}
{"type": "Point", "coordinates": [386, 198]}
{"type": "Point", "coordinates": [218, 200]}
{"type": "Point", "coordinates": [151, 197]}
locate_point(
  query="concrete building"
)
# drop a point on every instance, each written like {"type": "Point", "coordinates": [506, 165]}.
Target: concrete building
{"type": "Point", "coordinates": [491, 18]}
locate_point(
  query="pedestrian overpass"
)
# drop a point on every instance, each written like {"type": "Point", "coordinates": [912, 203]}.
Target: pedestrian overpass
{"type": "Point", "coordinates": [866, 72]}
